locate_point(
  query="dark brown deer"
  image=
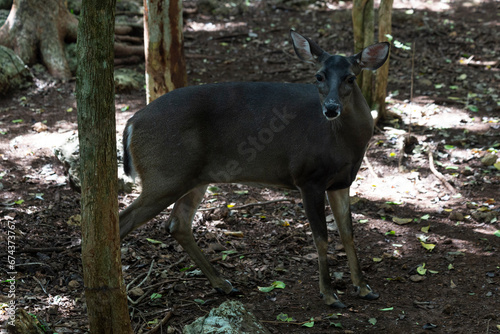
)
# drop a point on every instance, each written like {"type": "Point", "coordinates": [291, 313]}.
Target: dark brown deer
{"type": "Point", "coordinates": [296, 136]}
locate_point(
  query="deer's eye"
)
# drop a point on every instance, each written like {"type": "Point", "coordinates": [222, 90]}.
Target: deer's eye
{"type": "Point", "coordinates": [351, 79]}
{"type": "Point", "coordinates": [320, 77]}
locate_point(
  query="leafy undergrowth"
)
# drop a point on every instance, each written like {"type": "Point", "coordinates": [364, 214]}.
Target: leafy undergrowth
{"type": "Point", "coordinates": [428, 238]}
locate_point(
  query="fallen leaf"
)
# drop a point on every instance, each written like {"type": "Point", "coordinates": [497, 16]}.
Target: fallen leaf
{"type": "Point", "coordinates": [402, 221]}
{"type": "Point", "coordinates": [309, 324]}
{"type": "Point", "coordinates": [429, 247]}
{"type": "Point", "coordinates": [421, 269]}
{"type": "Point", "coordinates": [425, 229]}
{"type": "Point", "coordinates": [452, 284]}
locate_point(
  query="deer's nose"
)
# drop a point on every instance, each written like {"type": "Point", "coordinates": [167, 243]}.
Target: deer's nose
{"type": "Point", "coordinates": [332, 109]}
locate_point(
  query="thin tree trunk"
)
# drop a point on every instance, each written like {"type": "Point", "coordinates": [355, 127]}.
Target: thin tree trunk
{"type": "Point", "coordinates": [363, 30]}
{"type": "Point", "coordinates": [368, 36]}
{"type": "Point", "coordinates": [384, 28]}
{"type": "Point", "coordinates": [164, 51]}
{"type": "Point", "coordinates": [104, 288]}
{"type": "Point", "coordinates": [358, 8]}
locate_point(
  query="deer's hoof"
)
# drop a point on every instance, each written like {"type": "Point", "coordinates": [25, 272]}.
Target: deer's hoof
{"type": "Point", "coordinates": [338, 304]}
{"type": "Point", "coordinates": [370, 295]}
{"type": "Point", "coordinates": [333, 301]}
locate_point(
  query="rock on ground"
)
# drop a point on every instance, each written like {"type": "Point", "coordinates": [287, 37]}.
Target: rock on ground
{"type": "Point", "coordinates": [230, 317]}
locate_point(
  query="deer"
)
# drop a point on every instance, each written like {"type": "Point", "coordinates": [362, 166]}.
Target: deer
{"type": "Point", "coordinates": [307, 137]}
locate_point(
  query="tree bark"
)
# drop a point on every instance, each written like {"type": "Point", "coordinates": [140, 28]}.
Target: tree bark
{"type": "Point", "coordinates": [104, 288]}
{"type": "Point", "coordinates": [164, 51]}
{"type": "Point", "coordinates": [363, 29]}
{"type": "Point", "coordinates": [368, 36]}
{"type": "Point", "coordinates": [38, 29]}
{"type": "Point", "coordinates": [384, 28]}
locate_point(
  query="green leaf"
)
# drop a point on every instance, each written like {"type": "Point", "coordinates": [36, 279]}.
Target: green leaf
{"type": "Point", "coordinates": [497, 165]}
{"type": "Point", "coordinates": [309, 324]}
{"type": "Point", "coordinates": [377, 259]}
{"type": "Point", "coordinates": [451, 167]}
{"type": "Point", "coordinates": [393, 203]}
{"type": "Point", "coordinates": [17, 121]}
{"type": "Point", "coordinates": [372, 321]}
{"type": "Point", "coordinates": [155, 296]}
{"type": "Point", "coordinates": [153, 241]}
{"type": "Point", "coordinates": [213, 189]}
{"type": "Point", "coordinates": [429, 247]}
{"type": "Point", "coordinates": [200, 301]}
{"type": "Point", "coordinates": [69, 109]}
{"type": "Point", "coordinates": [279, 284]}
{"type": "Point", "coordinates": [454, 87]}
{"type": "Point", "coordinates": [387, 309]}
{"type": "Point", "coordinates": [336, 324]}
{"type": "Point", "coordinates": [450, 267]}
{"type": "Point", "coordinates": [425, 217]}
{"type": "Point", "coordinates": [241, 192]}
{"type": "Point", "coordinates": [449, 147]}
{"type": "Point", "coordinates": [425, 229]}
{"type": "Point", "coordinates": [497, 233]}
{"type": "Point", "coordinates": [390, 233]}
{"type": "Point", "coordinates": [421, 270]}
{"type": "Point", "coordinates": [284, 317]}
{"type": "Point", "coordinates": [185, 268]}
{"type": "Point", "coordinates": [364, 221]}
{"type": "Point", "coordinates": [265, 288]}
{"type": "Point", "coordinates": [19, 201]}
{"type": "Point", "coordinates": [472, 108]}
{"type": "Point", "coordinates": [125, 108]}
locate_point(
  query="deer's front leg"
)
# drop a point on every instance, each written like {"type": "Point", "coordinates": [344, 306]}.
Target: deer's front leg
{"type": "Point", "coordinates": [314, 204]}
{"type": "Point", "coordinates": [340, 204]}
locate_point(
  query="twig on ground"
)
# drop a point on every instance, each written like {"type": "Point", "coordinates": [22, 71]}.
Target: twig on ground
{"type": "Point", "coordinates": [49, 249]}
{"type": "Point", "coordinates": [249, 204]}
{"type": "Point", "coordinates": [439, 175]}
{"type": "Point", "coordinates": [144, 280]}
{"type": "Point", "coordinates": [370, 167]}
{"type": "Point", "coordinates": [161, 323]}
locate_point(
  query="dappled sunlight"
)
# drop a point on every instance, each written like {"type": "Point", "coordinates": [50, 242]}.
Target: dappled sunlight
{"type": "Point", "coordinates": [211, 27]}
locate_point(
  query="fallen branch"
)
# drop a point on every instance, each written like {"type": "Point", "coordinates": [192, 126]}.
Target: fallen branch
{"type": "Point", "coordinates": [49, 249]}
{"type": "Point", "coordinates": [439, 175]}
{"type": "Point", "coordinates": [249, 204]}
{"type": "Point", "coordinates": [370, 167]}
{"type": "Point", "coordinates": [161, 323]}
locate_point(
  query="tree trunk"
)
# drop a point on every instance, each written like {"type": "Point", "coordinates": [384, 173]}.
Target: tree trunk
{"type": "Point", "coordinates": [368, 36]}
{"type": "Point", "coordinates": [38, 29]}
{"type": "Point", "coordinates": [104, 288]}
{"type": "Point", "coordinates": [384, 28]}
{"type": "Point", "coordinates": [164, 51]}
{"type": "Point", "coordinates": [363, 29]}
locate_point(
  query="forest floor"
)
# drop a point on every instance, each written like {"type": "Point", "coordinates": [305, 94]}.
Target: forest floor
{"type": "Point", "coordinates": [401, 208]}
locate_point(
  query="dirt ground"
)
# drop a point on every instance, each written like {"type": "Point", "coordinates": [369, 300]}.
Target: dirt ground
{"type": "Point", "coordinates": [400, 206]}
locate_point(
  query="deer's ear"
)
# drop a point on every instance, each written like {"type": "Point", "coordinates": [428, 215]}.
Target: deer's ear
{"type": "Point", "coordinates": [373, 56]}
{"type": "Point", "coordinates": [305, 49]}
